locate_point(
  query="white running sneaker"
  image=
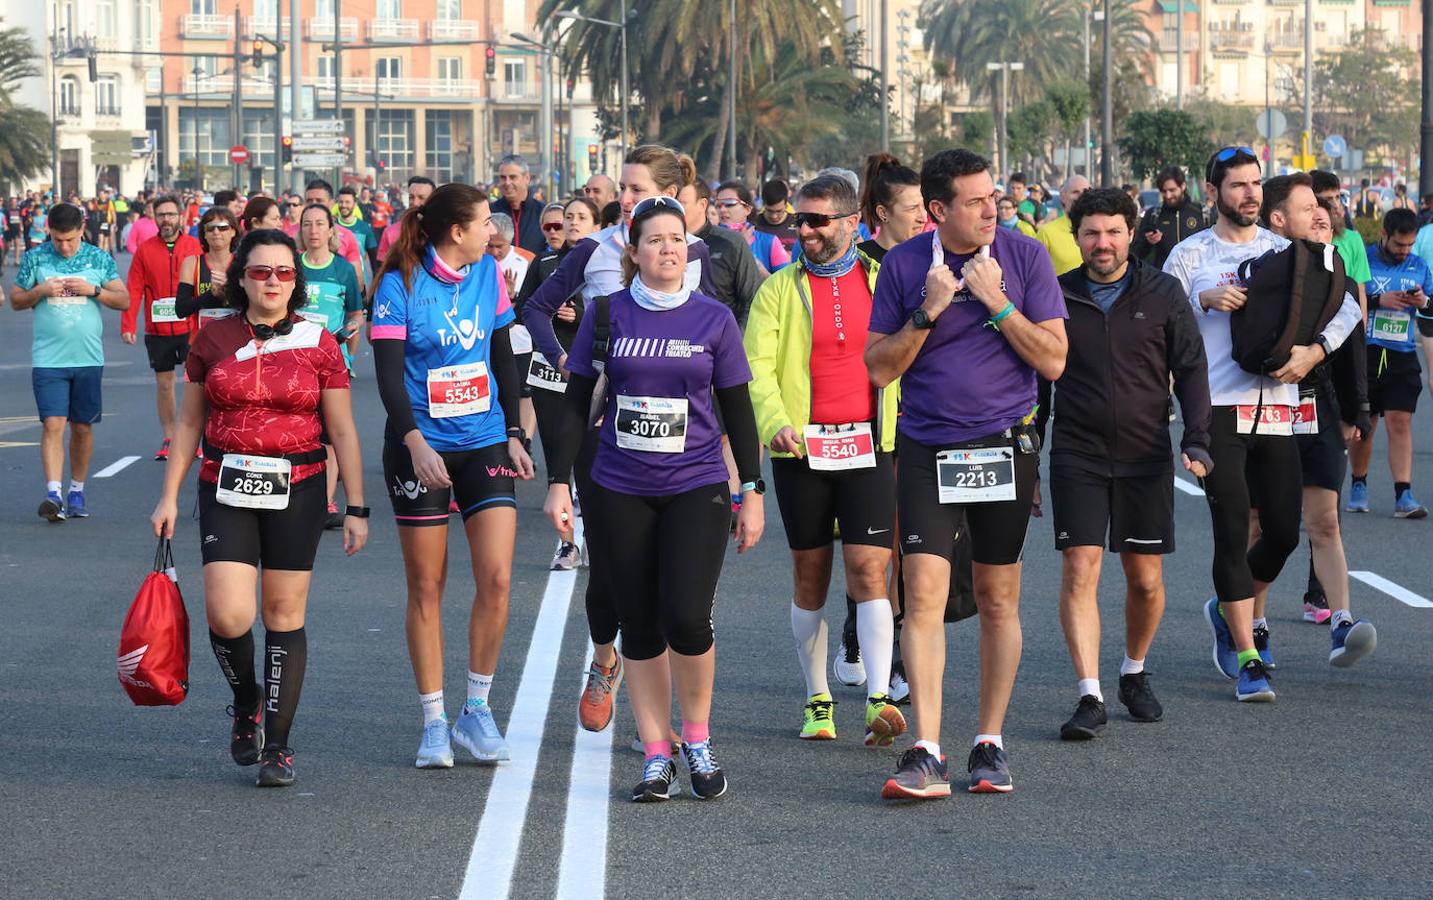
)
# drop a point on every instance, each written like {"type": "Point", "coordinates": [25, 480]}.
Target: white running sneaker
{"type": "Point", "coordinates": [477, 732]}
{"type": "Point", "coordinates": [435, 752]}
{"type": "Point", "coordinates": [566, 558]}
{"type": "Point", "coordinates": [847, 667]}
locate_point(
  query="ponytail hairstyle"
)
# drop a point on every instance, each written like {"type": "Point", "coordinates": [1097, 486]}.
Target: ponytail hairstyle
{"type": "Point", "coordinates": [450, 205]}
{"type": "Point", "coordinates": [669, 168]}
{"type": "Point", "coordinates": [884, 173]}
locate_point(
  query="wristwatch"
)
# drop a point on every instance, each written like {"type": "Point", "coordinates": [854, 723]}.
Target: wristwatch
{"type": "Point", "coordinates": [358, 512]}
{"type": "Point", "coordinates": [1324, 343]}
{"type": "Point", "coordinates": [756, 487]}
{"type": "Point", "coordinates": [920, 321]}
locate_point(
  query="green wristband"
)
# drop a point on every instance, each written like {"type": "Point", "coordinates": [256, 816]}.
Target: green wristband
{"type": "Point", "coordinates": [1003, 314]}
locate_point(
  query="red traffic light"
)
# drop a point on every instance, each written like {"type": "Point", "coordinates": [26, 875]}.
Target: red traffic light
{"type": "Point", "coordinates": [490, 52]}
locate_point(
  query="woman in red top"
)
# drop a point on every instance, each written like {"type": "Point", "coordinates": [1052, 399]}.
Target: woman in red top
{"type": "Point", "coordinates": [258, 382]}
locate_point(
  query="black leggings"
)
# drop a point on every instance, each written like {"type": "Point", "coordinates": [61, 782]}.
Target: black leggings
{"type": "Point", "coordinates": [663, 556]}
{"type": "Point", "coordinates": [602, 622]}
{"type": "Point", "coordinates": [1271, 462]}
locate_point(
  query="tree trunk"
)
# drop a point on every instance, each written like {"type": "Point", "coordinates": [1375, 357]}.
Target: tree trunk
{"type": "Point", "coordinates": [1068, 145]}
{"type": "Point", "coordinates": [652, 131]}
{"type": "Point", "coordinates": [719, 148]}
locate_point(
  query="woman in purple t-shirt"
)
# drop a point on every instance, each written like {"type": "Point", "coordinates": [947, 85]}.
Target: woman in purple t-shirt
{"type": "Point", "coordinates": [661, 483]}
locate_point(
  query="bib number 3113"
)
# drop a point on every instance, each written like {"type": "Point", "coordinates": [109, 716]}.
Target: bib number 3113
{"type": "Point", "coordinates": [254, 482]}
{"type": "Point", "coordinates": [652, 424]}
{"type": "Point", "coordinates": [981, 475]}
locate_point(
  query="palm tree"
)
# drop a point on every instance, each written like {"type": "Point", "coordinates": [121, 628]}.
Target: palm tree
{"type": "Point", "coordinates": [24, 149]}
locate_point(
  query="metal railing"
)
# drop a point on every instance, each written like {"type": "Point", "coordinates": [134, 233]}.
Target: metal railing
{"type": "Point", "coordinates": [322, 29]}
{"type": "Point", "coordinates": [454, 30]}
{"type": "Point", "coordinates": [1226, 41]}
{"type": "Point", "coordinates": [1169, 39]}
{"type": "Point", "coordinates": [468, 88]}
{"type": "Point", "coordinates": [204, 25]}
{"type": "Point", "coordinates": [393, 29]}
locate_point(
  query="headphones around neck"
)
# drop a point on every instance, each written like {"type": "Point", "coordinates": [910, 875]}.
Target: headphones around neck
{"type": "Point", "coordinates": [264, 332]}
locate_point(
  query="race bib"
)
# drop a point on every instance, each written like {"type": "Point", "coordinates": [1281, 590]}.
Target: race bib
{"type": "Point", "coordinates": [982, 475]}
{"type": "Point", "coordinates": [1391, 325]}
{"type": "Point", "coordinates": [1276, 421]}
{"type": "Point", "coordinates": [254, 482]}
{"type": "Point", "coordinates": [544, 376]}
{"type": "Point", "coordinates": [1306, 414]}
{"type": "Point", "coordinates": [520, 338]}
{"type": "Point", "coordinates": [162, 310]}
{"type": "Point", "coordinates": [458, 391]}
{"type": "Point", "coordinates": [314, 316]}
{"type": "Point", "coordinates": [835, 448]}
{"type": "Point", "coordinates": [67, 298]}
{"type": "Point", "coordinates": [209, 315]}
{"type": "Point", "coordinates": [652, 424]}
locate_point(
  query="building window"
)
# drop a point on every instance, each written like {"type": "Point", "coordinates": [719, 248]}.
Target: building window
{"type": "Point", "coordinates": [148, 22]}
{"type": "Point", "coordinates": [69, 96]}
{"type": "Point", "coordinates": [450, 68]}
{"type": "Point", "coordinates": [266, 12]}
{"type": "Point", "coordinates": [259, 137]}
{"type": "Point", "coordinates": [395, 142]}
{"type": "Point", "coordinates": [388, 68]}
{"type": "Point", "coordinates": [205, 130]}
{"type": "Point", "coordinates": [202, 7]}
{"type": "Point", "coordinates": [107, 96]}
{"type": "Point", "coordinates": [390, 9]}
{"type": "Point", "coordinates": [438, 160]}
{"type": "Point", "coordinates": [515, 78]}
{"type": "Point", "coordinates": [323, 10]}
{"type": "Point", "coordinates": [105, 24]}
{"type": "Point", "coordinates": [325, 68]}
{"type": "Point", "coordinates": [450, 10]}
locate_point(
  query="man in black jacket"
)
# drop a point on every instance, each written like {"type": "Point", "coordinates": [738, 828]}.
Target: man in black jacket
{"type": "Point", "coordinates": [734, 270]}
{"type": "Point", "coordinates": [1176, 218]}
{"type": "Point", "coordinates": [514, 179]}
{"type": "Point", "coordinates": [1130, 330]}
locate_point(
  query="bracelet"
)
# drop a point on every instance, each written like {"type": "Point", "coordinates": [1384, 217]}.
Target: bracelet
{"type": "Point", "coordinates": [1003, 314]}
{"type": "Point", "coordinates": [358, 512]}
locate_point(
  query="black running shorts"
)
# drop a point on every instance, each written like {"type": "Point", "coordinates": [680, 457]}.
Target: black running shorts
{"type": "Point", "coordinates": [166, 351]}
{"type": "Point", "coordinates": [1324, 456]}
{"type": "Point", "coordinates": [280, 539]}
{"type": "Point", "coordinates": [1395, 379]}
{"type": "Point", "coordinates": [1135, 512]}
{"type": "Point", "coordinates": [863, 501]}
{"type": "Point", "coordinates": [482, 479]}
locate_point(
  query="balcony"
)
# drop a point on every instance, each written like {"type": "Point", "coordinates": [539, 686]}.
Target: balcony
{"type": "Point", "coordinates": [518, 92]}
{"type": "Point", "coordinates": [393, 29]}
{"type": "Point", "coordinates": [1287, 42]}
{"type": "Point", "coordinates": [256, 27]}
{"type": "Point", "coordinates": [1230, 42]}
{"type": "Point", "coordinates": [404, 88]}
{"type": "Point", "coordinates": [250, 86]}
{"type": "Point", "coordinates": [1169, 40]}
{"type": "Point", "coordinates": [453, 30]}
{"type": "Point", "coordinates": [322, 29]}
{"type": "Point", "coordinates": [201, 26]}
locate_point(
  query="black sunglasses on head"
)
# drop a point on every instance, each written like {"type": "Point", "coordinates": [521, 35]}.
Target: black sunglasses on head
{"type": "Point", "coordinates": [818, 220]}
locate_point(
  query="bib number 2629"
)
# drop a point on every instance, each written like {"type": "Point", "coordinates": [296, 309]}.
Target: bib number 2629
{"type": "Point", "coordinates": [254, 482]}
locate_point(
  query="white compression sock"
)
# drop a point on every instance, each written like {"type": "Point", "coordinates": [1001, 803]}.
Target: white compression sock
{"type": "Point", "coordinates": [76, 485]}
{"type": "Point", "coordinates": [1340, 615]}
{"type": "Point", "coordinates": [478, 687]}
{"type": "Point", "coordinates": [52, 487]}
{"type": "Point", "coordinates": [1090, 686]}
{"type": "Point", "coordinates": [808, 627]}
{"type": "Point", "coordinates": [1131, 666]}
{"type": "Point", "coordinates": [432, 706]}
{"type": "Point", "coordinates": [1261, 623]}
{"type": "Point", "coordinates": [989, 739]}
{"type": "Point", "coordinates": [876, 630]}
{"type": "Point", "coordinates": [930, 747]}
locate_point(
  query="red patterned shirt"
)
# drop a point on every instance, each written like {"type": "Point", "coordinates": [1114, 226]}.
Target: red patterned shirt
{"type": "Point", "coordinates": [263, 396]}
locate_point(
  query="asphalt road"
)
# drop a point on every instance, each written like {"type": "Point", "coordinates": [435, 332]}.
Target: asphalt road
{"type": "Point", "coordinates": [1321, 794]}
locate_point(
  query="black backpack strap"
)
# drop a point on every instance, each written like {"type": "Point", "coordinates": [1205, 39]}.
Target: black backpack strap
{"type": "Point", "coordinates": [1338, 286]}
{"type": "Point", "coordinates": [1289, 334]}
{"type": "Point", "coordinates": [602, 328]}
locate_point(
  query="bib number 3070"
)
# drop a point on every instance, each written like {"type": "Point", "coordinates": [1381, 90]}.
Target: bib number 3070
{"type": "Point", "coordinates": [652, 424]}
{"type": "Point", "coordinates": [458, 391]}
{"type": "Point", "coordinates": [254, 482]}
{"type": "Point", "coordinates": [836, 448]}
{"type": "Point", "coordinates": [981, 475]}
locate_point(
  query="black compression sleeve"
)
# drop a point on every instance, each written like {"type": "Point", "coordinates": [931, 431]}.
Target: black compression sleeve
{"type": "Point", "coordinates": [186, 303]}
{"type": "Point", "coordinates": [577, 403]}
{"type": "Point", "coordinates": [506, 375]}
{"type": "Point", "coordinates": [740, 418]}
{"type": "Point", "coordinates": [388, 366]}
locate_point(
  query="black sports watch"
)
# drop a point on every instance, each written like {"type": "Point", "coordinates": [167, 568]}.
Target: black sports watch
{"type": "Point", "coordinates": [358, 512]}
{"type": "Point", "coordinates": [1324, 343]}
{"type": "Point", "coordinates": [920, 321]}
{"type": "Point", "coordinates": [757, 487]}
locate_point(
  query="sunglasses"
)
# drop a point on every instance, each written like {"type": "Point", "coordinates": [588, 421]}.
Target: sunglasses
{"type": "Point", "coordinates": [818, 220]}
{"type": "Point", "coordinates": [262, 273]}
{"type": "Point", "coordinates": [217, 226]}
{"type": "Point", "coordinates": [553, 226]}
{"type": "Point", "coordinates": [1226, 155]}
{"type": "Point", "coordinates": [729, 203]}
{"type": "Point", "coordinates": [659, 202]}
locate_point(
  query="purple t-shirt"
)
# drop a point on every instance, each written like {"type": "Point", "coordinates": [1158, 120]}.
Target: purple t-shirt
{"type": "Point", "coordinates": [658, 362]}
{"type": "Point", "coordinates": [966, 382]}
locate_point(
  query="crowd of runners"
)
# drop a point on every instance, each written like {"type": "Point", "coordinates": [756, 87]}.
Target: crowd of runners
{"type": "Point", "coordinates": [901, 344]}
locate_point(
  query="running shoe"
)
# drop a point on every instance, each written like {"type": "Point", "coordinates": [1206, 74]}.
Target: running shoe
{"type": "Point", "coordinates": [594, 707]}
{"type": "Point", "coordinates": [276, 767]}
{"type": "Point", "coordinates": [477, 732]}
{"type": "Point", "coordinates": [707, 778]}
{"type": "Point", "coordinates": [1139, 699]}
{"type": "Point", "coordinates": [1352, 641]}
{"type": "Point", "coordinates": [1226, 659]}
{"type": "Point", "coordinates": [1409, 508]}
{"type": "Point", "coordinates": [1316, 607]}
{"type": "Point", "coordinates": [566, 558]}
{"type": "Point", "coordinates": [919, 776]}
{"type": "Point", "coordinates": [436, 750]}
{"type": "Point", "coordinates": [335, 518]}
{"type": "Point", "coordinates": [989, 770]}
{"type": "Point", "coordinates": [51, 508]}
{"type": "Point", "coordinates": [847, 667]}
{"type": "Point", "coordinates": [659, 781]}
{"type": "Point", "coordinates": [163, 453]}
{"type": "Point", "coordinates": [1087, 722]}
{"type": "Point", "coordinates": [1254, 686]}
{"type": "Point", "coordinates": [1357, 498]}
{"type": "Point", "coordinates": [1261, 643]}
{"type": "Point", "coordinates": [900, 689]}
{"type": "Point", "coordinates": [75, 506]}
{"type": "Point", "coordinates": [884, 722]}
{"type": "Point", "coordinates": [817, 724]}
{"type": "Point", "coordinates": [246, 735]}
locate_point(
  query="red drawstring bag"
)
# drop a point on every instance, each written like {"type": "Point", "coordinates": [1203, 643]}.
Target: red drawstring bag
{"type": "Point", "coordinates": [154, 642]}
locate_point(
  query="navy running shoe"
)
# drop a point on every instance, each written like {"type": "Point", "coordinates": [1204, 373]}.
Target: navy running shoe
{"type": "Point", "coordinates": [1226, 659]}
{"type": "Point", "coordinates": [1254, 686]}
{"type": "Point", "coordinates": [919, 776]}
{"type": "Point", "coordinates": [1352, 641]}
{"type": "Point", "coordinates": [989, 770]}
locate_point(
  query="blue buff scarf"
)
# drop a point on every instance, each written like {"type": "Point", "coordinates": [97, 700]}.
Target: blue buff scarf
{"type": "Point", "coordinates": [836, 267]}
{"type": "Point", "coordinates": [654, 300]}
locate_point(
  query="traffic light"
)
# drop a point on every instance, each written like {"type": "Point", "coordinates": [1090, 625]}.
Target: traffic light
{"type": "Point", "coordinates": [257, 56]}
{"type": "Point", "coordinates": [490, 61]}
{"type": "Point", "coordinates": [571, 87]}
{"type": "Point", "coordinates": [287, 154]}
{"type": "Point", "coordinates": [380, 164]}
{"type": "Point", "coordinates": [592, 159]}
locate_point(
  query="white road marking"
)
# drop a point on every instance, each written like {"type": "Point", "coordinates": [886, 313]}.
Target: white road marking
{"type": "Point", "coordinates": [1396, 591]}
{"type": "Point", "coordinates": [116, 467]}
{"type": "Point", "coordinates": [1188, 487]}
{"type": "Point", "coordinates": [495, 848]}
{"type": "Point", "coordinates": [583, 870]}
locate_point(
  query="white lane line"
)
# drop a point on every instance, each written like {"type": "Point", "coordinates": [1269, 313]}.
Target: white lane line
{"type": "Point", "coordinates": [116, 467]}
{"type": "Point", "coordinates": [495, 848]}
{"type": "Point", "coordinates": [583, 870]}
{"type": "Point", "coordinates": [1188, 487]}
{"type": "Point", "coordinates": [1396, 591]}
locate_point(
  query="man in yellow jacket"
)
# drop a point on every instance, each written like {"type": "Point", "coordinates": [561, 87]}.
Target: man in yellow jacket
{"type": "Point", "coordinates": [831, 435]}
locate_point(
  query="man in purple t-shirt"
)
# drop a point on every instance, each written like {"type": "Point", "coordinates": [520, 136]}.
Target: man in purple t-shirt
{"type": "Point", "coordinates": [966, 316]}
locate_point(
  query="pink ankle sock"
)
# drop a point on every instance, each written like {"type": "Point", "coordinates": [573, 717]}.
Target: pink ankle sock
{"type": "Point", "coordinates": [695, 732]}
{"type": "Point", "coordinates": [657, 748]}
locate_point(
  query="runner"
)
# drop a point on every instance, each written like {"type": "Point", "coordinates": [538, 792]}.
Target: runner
{"type": "Point", "coordinates": [513, 262]}
{"type": "Point", "coordinates": [1008, 217]}
{"type": "Point", "coordinates": [153, 289]}
{"type": "Point", "coordinates": [891, 205]}
{"type": "Point", "coordinates": [735, 274]}
{"type": "Point", "coordinates": [554, 230]}
{"type": "Point", "coordinates": [1399, 289]}
{"type": "Point", "coordinates": [67, 282]}
{"type": "Point", "coordinates": [514, 181]}
{"type": "Point", "coordinates": [672, 355]}
{"type": "Point", "coordinates": [1057, 235]}
{"type": "Point", "coordinates": [734, 212]}
{"type": "Point", "coordinates": [776, 216]}
{"type": "Point", "coordinates": [321, 192]}
{"type": "Point", "coordinates": [259, 383]}
{"type": "Point", "coordinates": [350, 218]}
{"type": "Point", "coordinates": [831, 435]}
{"type": "Point", "coordinates": [202, 278]}
{"type": "Point", "coordinates": [107, 221]}
{"type": "Point", "coordinates": [1366, 204]}
{"type": "Point", "coordinates": [1025, 208]}
{"type": "Point", "coordinates": [447, 380]}
{"type": "Point", "coordinates": [259, 213]}
{"type": "Point", "coordinates": [1164, 226]}
{"type": "Point", "coordinates": [970, 453]}
{"type": "Point", "coordinates": [1245, 451]}
{"type": "Point", "coordinates": [1111, 478]}
{"type": "Point", "coordinates": [593, 269]}
{"type": "Point", "coordinates": [420, 188]}
{"type": "Point", "coordinates": [1333, 401]}
{"type": "Point", "coordinates": [600, 189]}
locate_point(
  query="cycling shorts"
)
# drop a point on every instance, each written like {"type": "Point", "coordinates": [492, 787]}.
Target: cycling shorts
{"type": "Point", "coordinates": [282, 539]}
{"type": "Point", "coordinates": [166, 351]}
{"type": "Point", "coordinates": [1135, 512]}
{"type": "Point", "coordinates": [481, 479]}
{"type": "Point", "coordinates": [812, 502]}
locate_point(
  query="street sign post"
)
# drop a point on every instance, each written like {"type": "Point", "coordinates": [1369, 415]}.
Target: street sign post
{"type": "Point", "coordinates": [1335, 146]}
{"type": "Point", "coordinates": [239, 155]}
{"type": "Point", "coordinates": [1271, 124]}
{"type": "Point", "coordinates": [317, 127]}
{"type": "Point", "coordinates": [324, 144]}
{"type": "Point", "coordinates": [319, 160]}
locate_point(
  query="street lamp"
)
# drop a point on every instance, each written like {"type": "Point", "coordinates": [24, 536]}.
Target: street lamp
{"type": "Point", "coordinates": [198, 73]}
{"type": "Point", "coordinates": [1097, 15]}
{"type": "Point", "coordinates": [1004, 68]}
{"type": "Point", "coordinates": [621, 27]}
